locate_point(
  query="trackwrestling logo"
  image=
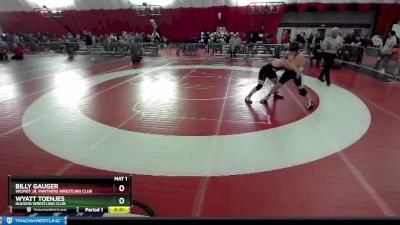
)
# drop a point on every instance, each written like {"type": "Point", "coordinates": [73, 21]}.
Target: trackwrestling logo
{"type": "Point", "coordinates": [33, 220]}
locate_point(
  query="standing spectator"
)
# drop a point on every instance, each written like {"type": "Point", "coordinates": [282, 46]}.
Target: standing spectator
{"type": "Point", "coordinates": [70, 45]}
{"type": "Point", "coordinates": [242, 36]}
{"type": "Point", "coordinates": [227, 37]}
{"type": "Point", "coordinates": [78, 37]}
{"type": "Point", "coordinates": [277, 50]}
{"type": "Point", "coordinates": [17, 39]}
{"type": "Point", "coordinates": [136, 52]}
{"type": "Point", "coordinates": [358, 49]}
{"type": "Point", "coordinates": [39, 37]}
{"type": "Point", "coordinates": [386, 51]}
{"type": "Point", "coordinates": [146, 38]}
{"type": "Point", "coordinates": [310, 38]}
{"type": "Point", "coordinates": [88, 39]}
{"type": "Point", "coordinates": [206, 39]}
{"type": "Point", "coordinates": [366, 41]}
{"type": "Point", "coordinates": [286, 37]}
{"type": "Point", "coordinates": [340, 38]}
{"type": "Point", "coordinates": [330, 46]}
{"type": "Point", "coordinates": [252, 38]}
{"type": "Point", "coordinates": [269, 38]}
{"type": "Point", "coordinates": [3, 50]}
{"type": "Point", "coordinates": [18, 52]}
{"type": "Point", "coordinates": [316, 50]}
{"type": "Point", "coordinates": [396, 54]}
{"type": "Point", "coordinates": [138, 38]}
{"type": "Point", "coordinates": [107, 42]}
{"type": "Point", "coordinates": [234, 44]}
{"type": "Point", "coordinates": [349, 38]}
{"type": "Point", "coordinates": [11, 42]}
{"type": "Point", "coordinates": [124, 36]}
{"type": "Point", "coordinates": [300, 39]}
{"type": "Point", "coordinates": [274, 41]}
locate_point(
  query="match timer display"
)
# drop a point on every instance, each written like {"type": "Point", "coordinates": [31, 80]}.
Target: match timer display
{"type": "Point", "coordinates": [111, 194]}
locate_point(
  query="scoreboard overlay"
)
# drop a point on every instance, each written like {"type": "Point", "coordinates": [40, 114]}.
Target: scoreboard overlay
{"type": "Point", "coordinates": [86, 194]}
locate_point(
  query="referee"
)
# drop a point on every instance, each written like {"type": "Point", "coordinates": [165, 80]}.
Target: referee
{"type": "Point", "coordinates": [330, 46]}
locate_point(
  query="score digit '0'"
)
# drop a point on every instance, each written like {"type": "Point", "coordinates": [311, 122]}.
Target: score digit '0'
{"type": "Point", "coordinates": [121, 200]}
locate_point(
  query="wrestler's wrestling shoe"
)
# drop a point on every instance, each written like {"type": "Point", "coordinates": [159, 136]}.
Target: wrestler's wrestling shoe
{"type": "Point", "coordinates": [310, 104]}
{"type": "Point", "coordinates": [265, 99]}
{"type": "Point", "coordinates": [279, 95]}
{"type": "Point", "coordinates": [248, 100]}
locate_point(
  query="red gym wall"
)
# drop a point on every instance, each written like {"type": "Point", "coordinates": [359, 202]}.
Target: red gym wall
{"type": "Point", "coordinates": [176, 24]}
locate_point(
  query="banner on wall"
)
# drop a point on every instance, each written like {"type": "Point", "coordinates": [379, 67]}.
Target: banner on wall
{"type": "Point", "coordinates": [28, 5]}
